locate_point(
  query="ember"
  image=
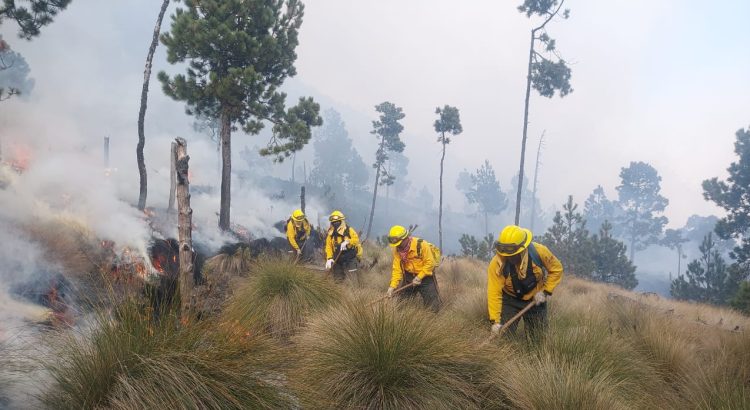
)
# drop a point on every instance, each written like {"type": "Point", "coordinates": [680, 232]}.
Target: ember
{"type": "Point", "coordinates": [51, 292]}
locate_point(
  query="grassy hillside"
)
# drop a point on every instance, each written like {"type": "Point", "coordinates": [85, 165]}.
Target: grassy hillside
{"type": "Point", "coordinates": [289, 337]}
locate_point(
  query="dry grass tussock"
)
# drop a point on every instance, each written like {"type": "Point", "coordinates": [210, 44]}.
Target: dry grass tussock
{"type": "Point", "coordinates": [391, 357]}
{"type": "Point", "coordinates": [131, 361]}
{"type": "Point", "coordinates": [279, 296]}
{"type": "Point", "coordinates": [223, 265]}
{"type": "Point", "coordinates": [69, 244]}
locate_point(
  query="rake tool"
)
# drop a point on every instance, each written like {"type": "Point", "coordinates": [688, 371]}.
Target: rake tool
{"type": "Point", "coordinates": [394, 292]}
{"type": "Point", "coordinates": [507, 324]}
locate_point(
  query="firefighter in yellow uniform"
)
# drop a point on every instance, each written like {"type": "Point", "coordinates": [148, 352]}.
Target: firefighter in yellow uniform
{"type": "Point", "coordinates": [413, 262]}
{"type": "Point", "coordinates": [343, 249]}
{"type": "Point", "coordinates": [516, 277]}
{"type": "Point", "coordinates": [298, 232]}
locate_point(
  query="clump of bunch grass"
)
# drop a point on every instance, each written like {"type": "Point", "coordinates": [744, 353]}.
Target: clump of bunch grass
{"type": "Point", "coordinates": [390, 356]}
{"type": "Point", "coordinates": [228, 265]}
{"type": "Point", "coordinates": [279, 297]}
{"type": "Point", "coordinates": [130, 360]}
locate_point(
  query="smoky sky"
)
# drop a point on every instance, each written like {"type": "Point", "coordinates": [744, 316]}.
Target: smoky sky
{"type": "Point", "coordinates": [663, 82]}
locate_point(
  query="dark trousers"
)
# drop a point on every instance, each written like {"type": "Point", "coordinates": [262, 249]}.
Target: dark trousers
{"type": "Point", "coordinates": [307, 252]}
{"type": "Point", "coordinates": [345, 262]}
{"type": "Point", "coordinates": [535, 320]}
{"type": "Point", "coordinates": [428, 290]}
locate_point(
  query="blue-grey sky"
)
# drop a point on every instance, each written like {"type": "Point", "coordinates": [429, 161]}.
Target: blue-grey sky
{"type": "Point", "coordinates": [659, 81]}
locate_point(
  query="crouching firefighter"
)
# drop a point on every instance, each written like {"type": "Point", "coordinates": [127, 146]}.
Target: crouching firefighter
{"type": "Point", "coordinates": [414, 261]}
{"type": "Point", "coordinates": [516, 278]}
{"type": "Point", "coordinates": [298, 232]}
{"type": "Point", "coordinates": [343, 249]}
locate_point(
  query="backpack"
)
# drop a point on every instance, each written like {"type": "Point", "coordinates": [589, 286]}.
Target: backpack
{"type": "Point", "coordinates": [434, 249]}
{"type": "Point", "coordinates": [529, 282]}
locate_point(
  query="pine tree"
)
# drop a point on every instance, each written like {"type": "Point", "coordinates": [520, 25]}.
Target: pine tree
{"type": "Point", "coordinates": [674, 239]}
{"type": "Point", "coordinates": [708, 279]}
{"type": "Point", "coordinates": [238, 53]}
{"type": "Point", "coordinates": [547, 72]}
{"type": "Point", "coordinates": [448, 122]}
{"type": "Point", "coordinates": [337, 163]}
{"type": "Point", "coordinates": [485, 192]}
{"type": "Point", "coordinates": [14, 73]}
{"type": "Point", "coordinates": [741, 299]}
{"type": "Point", "coordinates": [611, 263]}
{"type": "Point", "coordinates": [598, 208]}
{"type": "Point", "coordinates": [388, 130]}
{"type": "Point", "coordinates": [469, 245]}
{"type": "Point", "coordinates": [33, 16]}
{"type": "Point", "coordinates": [641, 202]}
{"type": "Point", "coordinates": [733, 195]}
{"type": "Point", "coordinates": [569, 240]}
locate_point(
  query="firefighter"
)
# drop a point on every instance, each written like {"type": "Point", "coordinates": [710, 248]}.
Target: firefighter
{"type": "Point", "coordinates": [298, 231]}
{"type": "Point", "coordinates": [516, 277]}
{"type": "Point", "coordinates": [414, 261]}
{"type": "Point", "coordinates": [343, 249]}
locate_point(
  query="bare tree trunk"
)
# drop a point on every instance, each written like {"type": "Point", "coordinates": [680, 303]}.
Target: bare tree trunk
{"type": "Point", "coordinates": [106, 152]}
{"type": "Point", "coordinates": [536, 178]}
{"type": "Point", "coordinates": [142, 112]}
{"type": "Point", "coordinates": [372, 209]}
{"type": "Point", "coordinates": [375, 191]}
{"type": "Point", "coordinates": [679, 260]}
{"type": "Point", "coordinates": [294, 160]}
{"type": "Point", "coordinates": [185, 228]}
{"type": "Point", "coordinates": [226, 170]}
{"type": "Point", "coordinates": [440, 205]}
{"type": "Point", "coordinates": [525, 127]}
{"type": "Point", "coordinates": [302, 198]}
{"type": "Point", "coordinates": [486, 229]}
{"type": "Point", "coordinates": [172, 177]}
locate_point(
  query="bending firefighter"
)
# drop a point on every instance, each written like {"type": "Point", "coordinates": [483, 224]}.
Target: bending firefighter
{"type": "Point", "coordinates": [298, 232]}
{"type": "Point", "coordinates": [516, 277]}
{"type": "Point", "coordinates": [342, 247]}
{"type": "Point", "coordinates": [414, 261]}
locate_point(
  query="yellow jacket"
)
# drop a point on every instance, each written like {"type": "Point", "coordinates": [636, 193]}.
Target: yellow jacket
{"type": "Point", "coordinates": [293, 235]}
{"type": "Point", "coordinates": [420, 266]}
{"type": "Point", "coordinates": [497, 283]}
{"type": "Point", "coordinates": [333, 242]}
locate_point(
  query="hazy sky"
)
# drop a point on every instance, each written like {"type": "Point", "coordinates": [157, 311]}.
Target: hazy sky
{"type": "Point", "coordinates": [665, 82]}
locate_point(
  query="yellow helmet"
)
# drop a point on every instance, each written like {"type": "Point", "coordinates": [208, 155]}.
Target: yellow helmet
{"type": "Point", "coordinates": [512, 240]}
{"type": "Point", "coordinates": [336, 216]}
{"type": "Point", "coordinates": [397, 235]}
{"type": "Point", "coordinates": [298, 215]}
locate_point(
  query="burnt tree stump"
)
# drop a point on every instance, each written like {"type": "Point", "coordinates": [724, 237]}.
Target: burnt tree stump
{"type": "Point", "coordinates": [172, 177]}
{"type": "Point", "coordinates": [184, 228]}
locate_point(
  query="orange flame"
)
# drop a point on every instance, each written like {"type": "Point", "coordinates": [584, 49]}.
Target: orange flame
{"type": "Point", "coordinates": [20, 157]}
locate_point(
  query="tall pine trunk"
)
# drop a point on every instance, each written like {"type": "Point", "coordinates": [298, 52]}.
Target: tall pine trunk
{"type": "Point", "coordinates": [525, 127]}
{"type": "Point", "coordinates": [440, 205]}
{"type": "Point", "coordinates": [486, 228]}
{"type": "Point", "coordinates": [536, 179]}
{"type": "Point", "coordinates": [142, 112]}
{"type": "Point", "coordinates": [226, 169]}
{"type": "Point", "coordinates": [375, 191]}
